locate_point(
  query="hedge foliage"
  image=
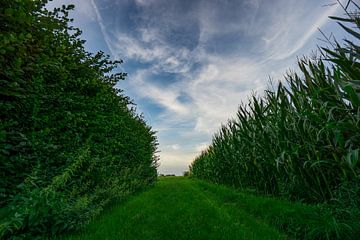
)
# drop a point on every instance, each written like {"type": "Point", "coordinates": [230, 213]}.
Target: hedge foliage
{"type": "Point", "coordinates": [69, 141]}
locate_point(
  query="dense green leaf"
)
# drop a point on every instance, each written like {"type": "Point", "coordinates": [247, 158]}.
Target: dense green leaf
{"type": "Point", "coordinates": [70, 142]}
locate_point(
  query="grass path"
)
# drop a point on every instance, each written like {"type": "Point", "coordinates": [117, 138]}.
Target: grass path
{"type": "Point", "coordinates": [179, 208]}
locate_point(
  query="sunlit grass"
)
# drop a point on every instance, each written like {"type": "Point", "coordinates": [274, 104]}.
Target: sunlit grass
{"type": "Point", "coordinates": [183, 208]}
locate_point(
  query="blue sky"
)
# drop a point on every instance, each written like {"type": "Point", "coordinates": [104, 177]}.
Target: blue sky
{"type": "Point", "coordinates": [190, 63]}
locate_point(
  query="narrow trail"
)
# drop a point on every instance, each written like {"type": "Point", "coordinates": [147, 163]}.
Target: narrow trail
{"type": "Point", "coordinates": [179, 208]}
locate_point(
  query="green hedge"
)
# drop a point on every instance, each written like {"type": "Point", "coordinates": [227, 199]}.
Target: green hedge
{"type": "Point", "coordinates": [69, 141]}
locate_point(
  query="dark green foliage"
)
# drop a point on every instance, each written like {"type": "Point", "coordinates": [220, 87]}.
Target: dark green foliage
{"type": "Point", "coordinates": [69, 143]}
{"type": "Point", "coordinates": [301, 140]}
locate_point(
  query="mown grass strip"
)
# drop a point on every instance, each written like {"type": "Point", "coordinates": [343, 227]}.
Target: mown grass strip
{"type": "Point", "coordinates": [298, 220]}
{"type": "Point", "coordinates": [183, 208]}
{"type": "Point", "coordinates": [177, 208]}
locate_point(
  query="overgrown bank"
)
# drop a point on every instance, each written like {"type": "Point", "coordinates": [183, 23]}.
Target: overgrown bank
{"type": "Point", "coordinates": [301, 140]}
{"type": "Point", "coordinates": [69, 141]}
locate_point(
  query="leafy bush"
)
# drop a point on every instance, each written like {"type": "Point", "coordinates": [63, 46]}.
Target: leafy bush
{"type": "Point", "coordinates": [69, 141]}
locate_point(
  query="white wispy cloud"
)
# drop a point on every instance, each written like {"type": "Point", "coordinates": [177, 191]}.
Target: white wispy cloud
{"type": "Point", "coordinates": [215, 83]}
{"type": "Point", "coordinates": [279, 42]}
{"type": "Point", "coordinates": [175, 146]}
{"type": "Point", "coordinates": [107, 39]}
{"type": "Point", "coordinates": [166, 97]}
{"type": "Point", "coordinates": [149, 50]}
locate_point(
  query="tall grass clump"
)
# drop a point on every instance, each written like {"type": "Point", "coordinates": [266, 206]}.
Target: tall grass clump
{"type": "Point", "coordinates": [70, 143]}
{"type": "Point", "coordinates": [300, 140]}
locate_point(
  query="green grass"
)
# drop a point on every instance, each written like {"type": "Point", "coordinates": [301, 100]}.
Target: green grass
{"type": "Point", "coordinates": [183, 208]}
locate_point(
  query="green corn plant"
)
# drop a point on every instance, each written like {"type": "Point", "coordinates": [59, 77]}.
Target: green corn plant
{"type": "Point", "coordinates": [300, 140]}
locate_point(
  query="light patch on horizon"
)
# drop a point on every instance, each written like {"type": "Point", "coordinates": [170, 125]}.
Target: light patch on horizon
{"type": "Point", "coordinates": [175, 146]}
{"type": "Point", "coordinates": [191, 63]}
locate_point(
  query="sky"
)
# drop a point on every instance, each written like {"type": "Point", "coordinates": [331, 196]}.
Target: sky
{"type": "Point", "coordinates": [190, 63]}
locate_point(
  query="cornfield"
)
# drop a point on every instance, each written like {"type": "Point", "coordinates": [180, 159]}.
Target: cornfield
{"type": "Point", "coordinates": [301, 139]}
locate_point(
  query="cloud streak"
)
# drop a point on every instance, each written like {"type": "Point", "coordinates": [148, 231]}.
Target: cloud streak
{"type": "Point", "coordinates": [107, 39]}
{"type": "Point", "coordinates": [299, 44]}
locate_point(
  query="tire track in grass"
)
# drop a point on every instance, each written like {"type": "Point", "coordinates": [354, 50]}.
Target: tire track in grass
{"type": "Point", "coordinates": [255, 228]}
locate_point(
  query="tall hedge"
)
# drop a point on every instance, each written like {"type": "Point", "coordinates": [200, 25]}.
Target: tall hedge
{"type": "Point", "coordinates": [69, 141]}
